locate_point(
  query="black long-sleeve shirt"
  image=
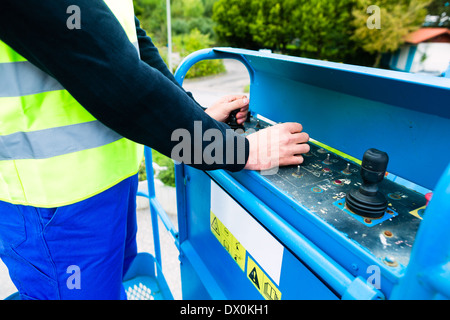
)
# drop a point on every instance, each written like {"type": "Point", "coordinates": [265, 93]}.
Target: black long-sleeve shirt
{"type": "Point", "coordinates": [135, 96]}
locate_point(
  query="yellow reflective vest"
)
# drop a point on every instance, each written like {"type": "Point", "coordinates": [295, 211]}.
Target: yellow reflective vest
{"type": "Point", "coordinates": [52, 151]}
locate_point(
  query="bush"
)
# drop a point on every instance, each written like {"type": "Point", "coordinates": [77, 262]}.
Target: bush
{"type": "Point", "coordinates": [194, 41]}
{"type": "Point", "coordinates": [166, 176]}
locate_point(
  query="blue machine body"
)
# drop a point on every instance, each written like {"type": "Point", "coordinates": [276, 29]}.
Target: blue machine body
{"type": "Point", "coordinates": [349, 109]}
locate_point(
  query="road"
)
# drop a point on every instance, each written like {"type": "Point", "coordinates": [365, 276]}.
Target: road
{"type": "Point", "coordinates": [209, 89]}
{"type": "Point", "coordinates": [205, 90]}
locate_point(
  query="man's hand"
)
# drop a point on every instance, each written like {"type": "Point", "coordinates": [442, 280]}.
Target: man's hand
{"type": "Point", "coordinates": [221, 110]}
{"type": "Point", "coordinates": [279, 145]}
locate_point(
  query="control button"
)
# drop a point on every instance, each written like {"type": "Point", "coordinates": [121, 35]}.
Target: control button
{"type": "Point", "coordinates": [337, 182]}
{"type": "Point", "coordinates": [394, 196]}
{"type": "Point", "coordinates": [298, 173]}
{"type": "Point", "coordinates": [428, 197]}
{"type": "Point", "coordinates": [317, 190]}
{"type": "Point", "coordinates": [327, 160]}
{"type": "Point", "coordinates": [326, 170]}
{"type": "Point", "coordinates": [347, 171]}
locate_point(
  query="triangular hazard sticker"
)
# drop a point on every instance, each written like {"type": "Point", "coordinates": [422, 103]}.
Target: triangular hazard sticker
{"type": "Point", "coordinates": [215, 226]}
{"type": "Point", "coordinates": [253, 275]}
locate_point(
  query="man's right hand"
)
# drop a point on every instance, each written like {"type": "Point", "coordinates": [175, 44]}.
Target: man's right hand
{"type": "Point", "coordinates": [276, 146]}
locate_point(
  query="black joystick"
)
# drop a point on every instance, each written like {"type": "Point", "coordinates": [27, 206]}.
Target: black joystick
{"type": "Point", "coordinates": [367, 201]}
{"type": "Point", "coordinates": [232, 121]}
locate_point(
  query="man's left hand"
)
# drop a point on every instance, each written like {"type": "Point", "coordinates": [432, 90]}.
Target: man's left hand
{"type": "Point", "coordinates": [222, 108]}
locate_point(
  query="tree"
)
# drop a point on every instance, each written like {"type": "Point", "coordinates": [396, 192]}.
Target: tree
{"type": "Point", "coordinates": [152, 16]}
{"type": "Point", "coordinates": [186, 16]}
{"type": "Point", "coordinates": [323, 28]}
{"type": "Point", "coordinates": [186, 44]}
{"type": "Point", "coordinates": [439, 14]}
{"type": "Point", "coordinates": [269, 28]}
{"type": "Point", "coordinates": [319, 29]}
{"type": "Point", "coordinates": [233, 19]}
{"type": "Point", "coordinates": [397, 19]}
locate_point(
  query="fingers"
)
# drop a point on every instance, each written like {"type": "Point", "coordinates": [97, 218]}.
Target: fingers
{"type": "Point", "coordinates": [292, 127]}
{"type": "Point", "coordinates": [233, 97]}
{"type": "Point", "coordinates": [279, 145]}
{"type": "Point", "coordinates": [301, 137]}
{"type": "Point", "coordinates": [237, 102]}
{"type": "Point", "coordinates": [222, 108]}
{"type": "Point", "coordinates": [298, 149]}
{"type": "Point", "coordinates": [294, 145]}
{"type": "Point", "coordinates": [241, 116]}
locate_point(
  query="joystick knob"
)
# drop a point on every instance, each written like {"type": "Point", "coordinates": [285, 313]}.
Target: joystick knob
{"type": "Point", "coordinates": [367, 201]}
{"type": "Point", "coordinates": [232, 121]}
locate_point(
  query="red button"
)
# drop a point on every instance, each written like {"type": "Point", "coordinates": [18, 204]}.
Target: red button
{"type": "Point", "coordinates": [428, 197]}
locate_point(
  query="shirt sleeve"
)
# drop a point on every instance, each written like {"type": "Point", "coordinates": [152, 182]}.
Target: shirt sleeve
{"type": "Point", "coordinates": [101, 69]}
{"type": "Point", "coordinates": [149, 54]}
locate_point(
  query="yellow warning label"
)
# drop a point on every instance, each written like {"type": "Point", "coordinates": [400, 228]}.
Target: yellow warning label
{"type": "Point", "coordinates": [228, 241]}
{"type": "Point", "coordinates": [261, 281]}
{"type": "Point", "coordinates": [418, 212]}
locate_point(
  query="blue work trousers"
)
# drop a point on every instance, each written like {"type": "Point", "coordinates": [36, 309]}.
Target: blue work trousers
{"type": "Point", "coordinates": [79, 251]}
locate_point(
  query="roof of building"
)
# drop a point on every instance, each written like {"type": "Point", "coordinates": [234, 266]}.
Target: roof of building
{"type": "Point", "coordinates": [425, 34]}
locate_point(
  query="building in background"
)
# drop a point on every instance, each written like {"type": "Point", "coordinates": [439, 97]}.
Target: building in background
{"type": "Point", "coordinates": [426, 50]}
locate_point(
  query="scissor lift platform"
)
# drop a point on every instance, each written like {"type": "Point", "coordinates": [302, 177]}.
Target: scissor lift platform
{"type": "Point", "coordinates": [307, 256]}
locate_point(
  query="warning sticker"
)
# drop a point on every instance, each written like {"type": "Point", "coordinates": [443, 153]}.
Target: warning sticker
{"type": "Point", "coordinates": [228, 241]}
{"type": "Point", "coordinates": [418, 212]}
{"type": "Point", "coordinates": [261, 281]}
{"type": "Point", "coordinates": [257, 253]}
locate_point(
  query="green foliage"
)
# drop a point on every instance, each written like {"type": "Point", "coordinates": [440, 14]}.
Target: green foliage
{"type": "Point", "coordinates": [194, 41]}
{"type": "Point", "coordinates": [167, 176]}
{"type": "Point", "coordinates": [142, 174]}
{"type": "Point", "coordinates": [312, 28]}
{"type": "Point", "coordinates": [192, 29]}
{"type": "Point", "coordinates": [321, 29]}
{"type": "Point", "coordinates": [398, 18]}
{"type": "Point", "coordinates": [233, 19]}
{"type": "Point", "coordinates": [152, 16]}
{"type": "Point", "coordinates": [441, 10]}
{"type": "Point", "coordinates": [270, 27]}
{"type": "Point", "coordinates": [186, 15]}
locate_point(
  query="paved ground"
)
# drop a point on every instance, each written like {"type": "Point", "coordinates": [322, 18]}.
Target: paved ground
{"type": "Point", "coordinates": [206, 91]}
{"type": "Point", "coordinates": [209, 89]}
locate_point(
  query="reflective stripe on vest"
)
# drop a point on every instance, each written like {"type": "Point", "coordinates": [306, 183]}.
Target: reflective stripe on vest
{"type": "Point", "coordinates": [52, 151]}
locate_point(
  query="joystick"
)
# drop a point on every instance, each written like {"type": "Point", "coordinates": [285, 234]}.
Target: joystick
{"type": "Point", "coordinates": [232, 121]}
{"type": "Point", "coordinates": [367, 201]}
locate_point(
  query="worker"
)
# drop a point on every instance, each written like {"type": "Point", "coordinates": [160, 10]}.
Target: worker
{"type": "Point", "coordinates": [77, 103]}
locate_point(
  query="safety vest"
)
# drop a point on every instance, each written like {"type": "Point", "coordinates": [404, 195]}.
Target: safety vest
{"type": "Point", "coordinates": [52, 151]}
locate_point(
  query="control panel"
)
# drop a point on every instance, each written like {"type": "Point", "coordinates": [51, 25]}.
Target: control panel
{"type": "Point", "coordinates": [358, 198]}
